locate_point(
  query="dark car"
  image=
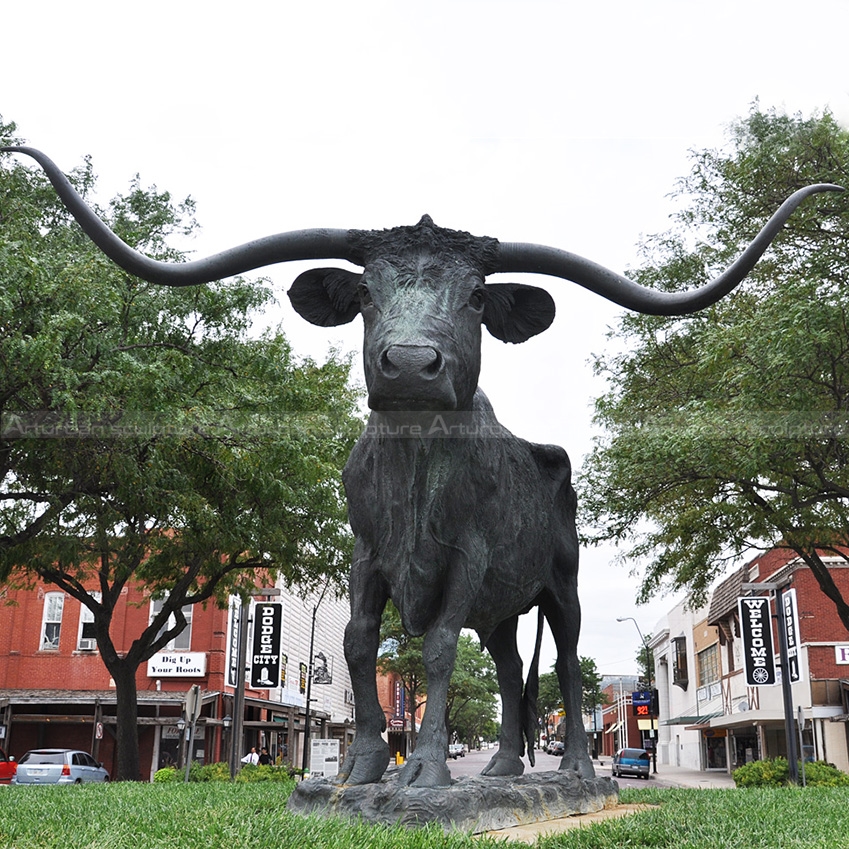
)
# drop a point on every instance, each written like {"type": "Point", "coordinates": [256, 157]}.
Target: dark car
{"type": "Point", "coordinates": [7, 768]}
{"type": "Point", "coordinates": [58, 766]}
{"type": "Point", "coordinates": [631, 762]}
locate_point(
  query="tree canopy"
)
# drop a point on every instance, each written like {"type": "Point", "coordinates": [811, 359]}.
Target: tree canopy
{"type": "Point", "coordinates": [725, 431]}
{"type": "Point", "coordinates": [472, 693]}
{"type": "Point", "coordinates": [550, 700]}
{"type": "Point", "coordinates": [145, 434]}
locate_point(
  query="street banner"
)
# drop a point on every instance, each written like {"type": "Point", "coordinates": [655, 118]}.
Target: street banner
{"type": "Point", "coordinates": [233, 642]}
{"type": "Point", "coordinates": [267, 641]}
{"type": "Point", "coordinates": [790, 612]}
{"type": "Point", "coordinates": [756, 630]}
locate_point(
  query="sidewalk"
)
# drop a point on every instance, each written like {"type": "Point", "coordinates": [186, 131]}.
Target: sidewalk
{"type": "Point", "coordinates": [676, 776]}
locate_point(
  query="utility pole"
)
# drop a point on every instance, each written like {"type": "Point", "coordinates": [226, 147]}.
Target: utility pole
{"type": "Point", "coordinates": [305, 763]}
{"type": "Point", "coordinates": [650, 670]}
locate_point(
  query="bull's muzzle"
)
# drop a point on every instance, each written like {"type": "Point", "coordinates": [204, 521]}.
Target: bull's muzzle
{"type": "Point", "coordinates": [411, 363]}
{"type": "Point", "coordinates": [411, 377]}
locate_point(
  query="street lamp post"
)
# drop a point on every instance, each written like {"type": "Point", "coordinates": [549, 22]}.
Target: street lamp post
{"type": "Point", "coordinates": [651, 687]}
{"type": "Point", "coordinates": [305, 762]}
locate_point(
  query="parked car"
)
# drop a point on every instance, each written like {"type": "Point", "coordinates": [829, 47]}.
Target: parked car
{"type": "Point", "coordinates": [7, 768]}
{"type": "Point", "coordinates": [58, 766]}
{"type": "Point", "coordinates": [456, 750]}
{"type": "Point", "coordinates": [631, 762]}
{"type": "Point", "coordinates": [556, 747]}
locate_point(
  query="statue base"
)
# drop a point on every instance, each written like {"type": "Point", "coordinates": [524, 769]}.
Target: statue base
{"type": "Point", "coordinates": [472, 804]}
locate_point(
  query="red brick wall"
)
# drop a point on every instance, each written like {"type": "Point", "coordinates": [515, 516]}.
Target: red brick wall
{"type": "Point", "coordinates": [23, 665]}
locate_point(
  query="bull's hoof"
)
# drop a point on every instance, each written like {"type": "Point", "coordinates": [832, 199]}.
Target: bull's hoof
{"type": "Point", "coordinates": [364, 767]}
{"type": "Point", "coordinates": [580, 764]}
{"type": "Point", "coordinates": [502, 764]}
{"type": "Point", "coordinates": [418, 772]}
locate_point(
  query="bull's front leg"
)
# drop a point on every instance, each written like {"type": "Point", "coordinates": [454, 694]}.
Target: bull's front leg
{"type": "Point", "coordinates": [368, 755]}
{"type": "Point", "coordinates": [426, 766]}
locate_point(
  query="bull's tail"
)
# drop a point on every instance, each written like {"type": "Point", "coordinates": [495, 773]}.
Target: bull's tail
{"type": "Point", "coordinates": [530, 720]}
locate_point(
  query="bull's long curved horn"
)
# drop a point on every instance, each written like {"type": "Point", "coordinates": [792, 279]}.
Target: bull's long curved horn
{"type": "Point", "coordinates": [538, 259]}
{"type": "Point", "coordinates": [283, 247]}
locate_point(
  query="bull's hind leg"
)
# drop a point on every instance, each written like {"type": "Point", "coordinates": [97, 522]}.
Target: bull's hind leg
{"type": "Point", "coordinates": [508, 664]}
{"type": "Point", "coordinates": [563, 612]}
{"type": "Point", "coordinates": [368, 755]}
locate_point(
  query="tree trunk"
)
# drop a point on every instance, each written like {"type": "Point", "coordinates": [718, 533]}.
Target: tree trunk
{"type": "Point", "coordinates": [127, 738]}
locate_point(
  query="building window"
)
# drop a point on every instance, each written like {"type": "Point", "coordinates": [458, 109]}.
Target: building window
{"type": "Point", "coordinates": [708, 665]}
{"type": "Point", "coordinates": [183, 640]}
{"type": "Point", "coordinates": [85, 638]}
{"type": "Point", "coordinates": [51, 623]}
{"type": "Point", "coordinates": [680, 675]}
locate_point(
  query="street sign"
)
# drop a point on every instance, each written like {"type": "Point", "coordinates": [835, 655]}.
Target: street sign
{"type": "Point", "coordinates": [790, 612]}
{"type": "Point", "coordinates": [756, 630]}
{"type": "Point", "coordinates": [268, 637]}
{"type": "Point", "coordinates": [324, 758]}
{"type": "Point", "coordinates": [641, 703]}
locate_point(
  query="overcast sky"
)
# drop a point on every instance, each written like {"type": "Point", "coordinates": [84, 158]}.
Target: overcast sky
{"type": "Point", "coordinates": [552, 122]}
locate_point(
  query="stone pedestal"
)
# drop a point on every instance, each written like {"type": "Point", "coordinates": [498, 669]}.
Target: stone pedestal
{"type": "Point", "coordinates": [473, 804]}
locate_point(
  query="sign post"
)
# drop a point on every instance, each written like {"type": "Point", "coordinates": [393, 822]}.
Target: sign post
{"type": "Point", "coordinates": [755, 621]}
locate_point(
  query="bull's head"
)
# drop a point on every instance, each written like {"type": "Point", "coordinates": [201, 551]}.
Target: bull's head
{"type": "Point", "coordinates": [423, 298]}
{"type": "Point", "coordinates": [422, 292]}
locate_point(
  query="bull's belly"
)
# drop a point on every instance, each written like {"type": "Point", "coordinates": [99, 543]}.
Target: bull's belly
{"type": "Point", "coordinates": [423, 588]}
{"type": "Point", "coordinates": [498, 600]}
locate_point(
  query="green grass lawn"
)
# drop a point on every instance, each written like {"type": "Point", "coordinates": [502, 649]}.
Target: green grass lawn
{"type": "Point", "coordinates": [230, 816]}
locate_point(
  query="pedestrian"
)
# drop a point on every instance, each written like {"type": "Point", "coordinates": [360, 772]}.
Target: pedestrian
{"type": "Point", "coordinates": [264, 757]}
{"type": "Point", "coordinates": [251, 757]}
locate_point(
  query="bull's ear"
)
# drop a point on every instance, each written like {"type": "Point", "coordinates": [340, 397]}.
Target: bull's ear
{"type": "Point", "coordinates": [326, 296]}
{"type": "Point", "coordinates": [514, 312]}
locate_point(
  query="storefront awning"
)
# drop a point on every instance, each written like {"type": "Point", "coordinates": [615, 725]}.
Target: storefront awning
{"type": "Point", "coordinates": [687, 719]}
{"type": "Point", "coordinates": [614, 727]}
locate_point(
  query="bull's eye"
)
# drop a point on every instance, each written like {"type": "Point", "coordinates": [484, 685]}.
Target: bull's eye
{"type": "Point", "coordinates": [365, 295]}
{"type": "Point", "coordinates": [476, 299]}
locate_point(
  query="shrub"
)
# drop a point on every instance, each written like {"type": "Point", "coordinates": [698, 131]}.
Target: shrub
{"type": "Point", "coordinates": [221, 772]}
{"type": "Point", "coordinates": [167, 773]}
{"type": "Point", "coordinates": [263, 772]}
{"type": "Point", "coordinates": [776, 773]}
{"type": "Point", "coordinates": [822, 774]}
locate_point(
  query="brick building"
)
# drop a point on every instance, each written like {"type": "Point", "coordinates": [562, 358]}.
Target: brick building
{"type": "Point", "coordinates": [710, 717]}
{"type": "Point", "coordinates": [55, 691]}
{"type": "Point", "coordinates": [614, 725]}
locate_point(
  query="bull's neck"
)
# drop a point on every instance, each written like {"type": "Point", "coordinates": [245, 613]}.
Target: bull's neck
{"type": "Point", "coordinates": [426, 428]}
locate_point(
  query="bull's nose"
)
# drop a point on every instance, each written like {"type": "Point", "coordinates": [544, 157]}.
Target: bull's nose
{"type": "Point", "coordinates": [420, 361]}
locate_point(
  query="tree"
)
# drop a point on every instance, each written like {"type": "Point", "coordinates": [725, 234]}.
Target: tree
{"type": "Point", "coordinates": [726, 429]}
{"type": "Point", "coordinates": [645, 662]}
{"type": "Point", "coordinates": [146, 437]}
{"type": "Point", "coordinates": [472, 704]}
{"type": "Point", "coordinates": [401, 654]}
{"type": "Point", "coordinates": [550, 700]}
{"type": "Point", "coordinates": [591, 694]}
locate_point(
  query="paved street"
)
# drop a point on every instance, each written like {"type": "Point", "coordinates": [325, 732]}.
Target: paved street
{"type": "Point", "coordinates": [667, 776]}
